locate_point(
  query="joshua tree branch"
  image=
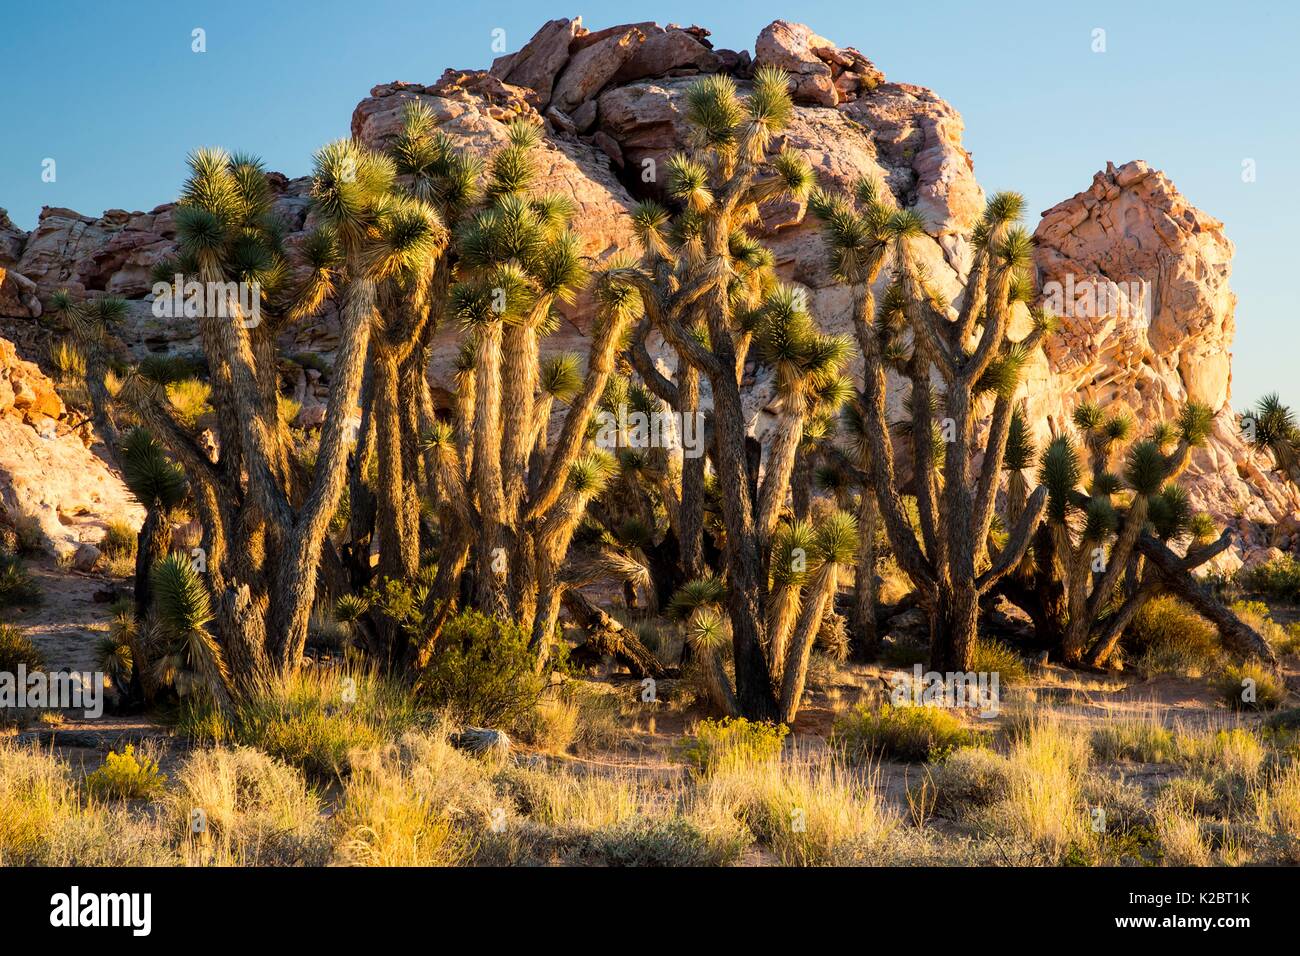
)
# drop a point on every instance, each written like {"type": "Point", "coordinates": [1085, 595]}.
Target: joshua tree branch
{"type": "Point", "coordinates": [1018, 543]}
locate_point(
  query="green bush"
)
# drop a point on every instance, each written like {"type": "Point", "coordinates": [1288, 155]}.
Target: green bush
{"type": "Point", "coordinates": [27, 533]}
{"type": "Point", "coordinates": [128, 775]}
{"type": "Point", "coordinates": [119, 539]}
{"type": "Point", "coordinates": [1249, 686]}
{"type": "Point", "coordinates": [1278, 579]}
{"type": "Point", "coordinates": [994, 657]}
{"type": "Point", "coordinates": [733, 741]}
{"type": "Point", "coordinates": [1168, 637]}
{"type": "Point", "coordinates": [912, 734]}
{"type": "Point", "coordinates": [1139, 740]}
{"type": "Point", "coordinates": [483, 670]}
{"type": "Point", "coordinates": [189, 398]}
{"type": "Point", "coordinates": [315, 719]}
{"type": "Point", "coordinates": [16, 648]}
{"type": "Point", "coordinates": [1284, 640]}
{"type": "Point", "coordinates": [16, 585]}
{"type": "Point", "coordinates": [903, 653]}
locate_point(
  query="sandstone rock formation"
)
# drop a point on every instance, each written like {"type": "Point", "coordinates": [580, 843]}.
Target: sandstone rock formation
{"type": "Point", "coordinates": [612, 105]}
{"type": "Point", "coordinates": [1150, 326]}
{"type": "Point", "coordinates": [47, 475]}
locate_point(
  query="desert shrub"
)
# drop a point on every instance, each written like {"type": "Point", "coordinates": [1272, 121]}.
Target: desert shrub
{"type": "Point", "coordinates": [669, 841]}
{"type": "Point", "coordinates": [288, 408]}
{"type": "Point", "coordinates": [1277, 812]}
{"type": "Point", "coordinates": [1283, 721]}
{"type": "Point", "coordinates": [119, 544]}
{"type": "Point", "coordinates": [68, 361]}
{"type": "Point", "coordinates": [421, 803]}
{"type": "Point", "coordinates": [43, 821]}
{"type": "Point", "coordinates": [1233, 753]}
{"type": "Point", "coordinates": [119, 539]}
{"type": "Point", "coordinates": [255, 810]}
{"type": "Point", "coordinates": [1290, 641]}
{"type": "Point", "coordinates": [553, 723]}
{"type": "Point", "coordinates": [969, 777]}
{"type": "Point", "coordinates": [1192, 795]}
{"type": "Point", "coordinates": [17, 648]}
{"type": "Point", "coordinates": [600, 716]}
{"type": "Point", "coordinates": [732, 741]}
{"type": "Point", "coordinates": [579, 801]}
{"type": "Point", "coordinates": [1278, 579]}
{"type": "Point", "coordinates": [1283, 640]}
{"type": "Point", "coordinates": [109, 836]}
{"type": "Point", "coordinates": [189, 397]}
{"type": "Point", "coordinates": [1044, 806]}
{"type": "Point", "coordinates": [16, 585]}
{"type": "Point", "coordinates": [28, 536]}
{"type": "Point", "coordinates": [1144, 741]}
{"type": "Point", "coordinates": [1181, 841]}
{"type": "Point", "coordinates": [912, 734]}
{"type": "Point", "coordinates": [1249, 686]}
{"type": "Point", "coordinates": [806, 811]}
{"type": "Point", "coordinates": [128, 775]}
{"type": "Point", "coordinates": [1168, 637]}
{"type": "Point", "coordinates": [483, 670]}
{"type": "Point", "coordinates": [313, 719]}
{"type": "Point", "coordinates": [994, 657]}
{"type": "Point", "coordinates": [903, 653]}
{"type": "Point", "coordinates": [36, 795]}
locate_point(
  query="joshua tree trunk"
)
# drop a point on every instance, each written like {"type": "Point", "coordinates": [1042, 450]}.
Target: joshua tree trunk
{"type": "Point", "coordinates": [954, 628]}
{"type": "Point", "coordinates": [296, 577]}
{"type": "Point", "coordinates": [1236, 635]}
{"type": "Point", "coordinates": [753, 688]}
{"type": "Point", "coordinates": [796, 669]}
{"type": "Point", "coordinates": [398, 541]}
{"type": "Point", "coordinates": [691, 508]}
{"type": "Point", "coordinates": [862, 618]}
{"type": "Point", "coordinates": [152, 543]}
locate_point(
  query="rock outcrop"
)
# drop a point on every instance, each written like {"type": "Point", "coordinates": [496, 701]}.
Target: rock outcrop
{"type": "Point", "coordinates": [612, 105]}
{"type": "Point", "coordinates": [1147, 320]}
{"type": "Point", "coordinates": [47, 474]}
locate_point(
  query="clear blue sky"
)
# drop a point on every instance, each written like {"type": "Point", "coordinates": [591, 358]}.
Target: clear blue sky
{"type": "Point", "coordinates": [113, 93]}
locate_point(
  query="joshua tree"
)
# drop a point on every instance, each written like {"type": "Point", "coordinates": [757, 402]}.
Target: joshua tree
{"type": "Point", "coordinates": [159, 485]}
{"type": "Point", "coordinates": [806, 563]}
{"type": "Point", "coordinates": [188, 657]}
{"type": "Point", "coordinates": [508, 498]}
{"type": "Point", "coordinates": [1103, 553]}
{"type": "Point", "coordinates": [410, 304]}
{"type": "Point", "coordinates": [703, 282]}
{"type": "Point", "coordinates": [1094, 534]}
{"type": "Point", "coordinates": [1271, 425]}
{"type": "Point", "coordinates": [264, 516]}
{"type": "Point", "coordinates": [950, 562]}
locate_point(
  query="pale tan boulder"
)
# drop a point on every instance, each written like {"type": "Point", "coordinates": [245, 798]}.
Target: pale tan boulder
{"type": "Point", "coordinates": [47, 474]}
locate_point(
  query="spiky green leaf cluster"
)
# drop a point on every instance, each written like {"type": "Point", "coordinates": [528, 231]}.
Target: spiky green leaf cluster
{"type": "Point", "coordinates": [149, 474]}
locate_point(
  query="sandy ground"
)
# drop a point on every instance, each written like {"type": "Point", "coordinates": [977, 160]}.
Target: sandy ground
{"type": "Point", "coordinates": [68, 623]}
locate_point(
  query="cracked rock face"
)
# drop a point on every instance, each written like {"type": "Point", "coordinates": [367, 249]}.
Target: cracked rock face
{"type": "Point", "coordinates": [612, 105]}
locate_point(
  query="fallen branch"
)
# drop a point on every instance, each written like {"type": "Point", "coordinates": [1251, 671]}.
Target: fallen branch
{"type": "Point", "coordinates": [607, 636]}
{"type": "Point", "coordinates": [1236, 635]}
